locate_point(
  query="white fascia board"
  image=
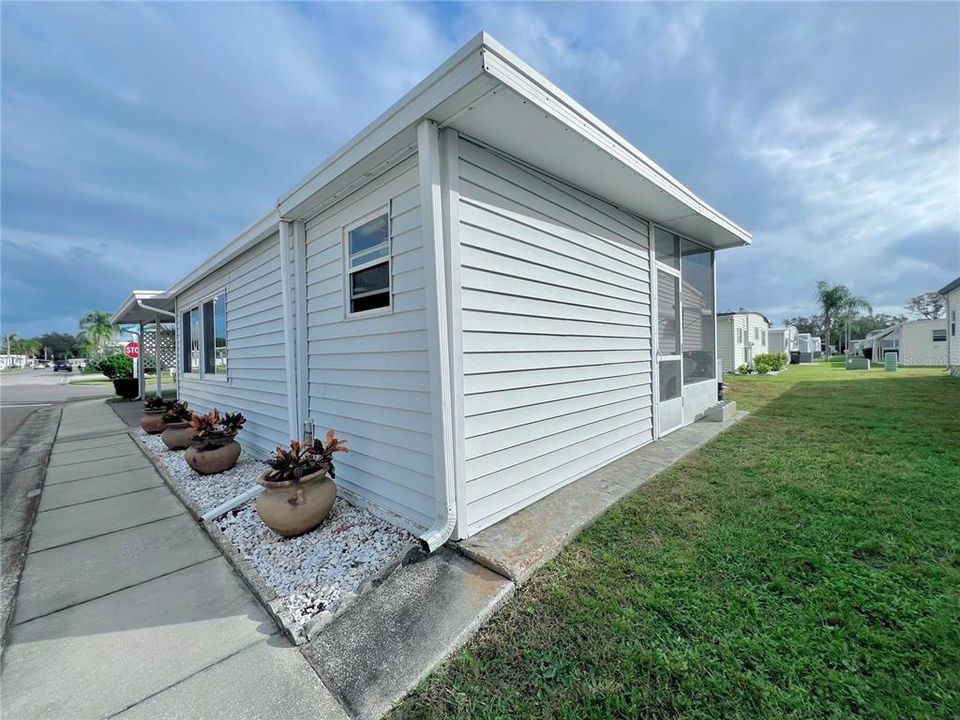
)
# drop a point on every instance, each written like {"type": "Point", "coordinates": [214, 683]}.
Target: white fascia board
{"type": "Point", "coordinates": [131, 303]}
{"type": "Point", "coordinates": [456, 73]}
{"type": "Point", "coordinates": [260, 230]}
{"type": "Point", "coordinates": [512, 72]}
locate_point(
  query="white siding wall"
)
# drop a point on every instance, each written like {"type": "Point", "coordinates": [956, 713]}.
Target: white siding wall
{"type": "Point", "coordinates": [953, 309]}
{"type": "Point", "coordinates": [256, 384]}
{"type": "Point", "coordinates": [726, 344]}
{"type": "Point", "coordinates": [556, 319]}
{"type": "Point", "coordinates": [743, 349]}
{"type": "Point", "coordinates": [368, 377]}
{"type": "Point", "coordinates": [917, 346]}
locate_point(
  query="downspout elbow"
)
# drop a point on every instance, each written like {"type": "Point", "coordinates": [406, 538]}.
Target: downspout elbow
{"type": "Point", "coordinates": [438, 533]}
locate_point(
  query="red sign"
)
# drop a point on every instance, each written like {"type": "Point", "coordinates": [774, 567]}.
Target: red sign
{"type": "Point", "coordinates": [132, 350]}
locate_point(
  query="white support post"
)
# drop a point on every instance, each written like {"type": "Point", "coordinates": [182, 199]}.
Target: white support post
{"type": "Point", "coordinates": [141, 381]}
{"type": "Point", "coordinates": [156, 352]}
{"type": "Point", "coordinates": [293, 421]}
{"type": "Point", "coordinates": [444, 490]}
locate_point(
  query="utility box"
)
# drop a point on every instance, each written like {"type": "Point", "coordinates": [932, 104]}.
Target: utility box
{"type": "Point", "coordinates": [855, 362]}
{"type": "Point", "coordinates": [890, 361]}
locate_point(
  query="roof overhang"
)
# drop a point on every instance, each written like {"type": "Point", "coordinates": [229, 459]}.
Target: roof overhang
{"type": "Point", "coordinates": [491, 96]}
{"type": "Point", "coordinates": [949, 287]}
{"type": "Point", "coordinates": [142, 307]}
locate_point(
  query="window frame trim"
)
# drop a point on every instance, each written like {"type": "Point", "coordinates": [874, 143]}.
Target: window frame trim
{"type": "Point", "coordinates": [348, 271]}
{"type": "Point", "coordinates": [202, 375]}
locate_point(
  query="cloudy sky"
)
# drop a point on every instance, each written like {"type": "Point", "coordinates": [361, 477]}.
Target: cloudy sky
{"type": "Point", "coordinates": [137, 139]}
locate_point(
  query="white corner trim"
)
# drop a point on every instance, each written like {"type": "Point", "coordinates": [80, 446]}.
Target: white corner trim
{"type": "Point", "coordinates": [288, 330]}
{"type": "Point", "coordinates": [434, 265]}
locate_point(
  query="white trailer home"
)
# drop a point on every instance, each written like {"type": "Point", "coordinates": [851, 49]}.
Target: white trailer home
{"type": "Point", "coordinates": [741, 336]}
{"type": "Point", "coordinates": [916, 342]}
{"type": "Point", "coordinates": [487, 291]}
{"type": "Point", "coordinates": [951, 292]}
{"type": "Point", "coordinates": [783, 339]}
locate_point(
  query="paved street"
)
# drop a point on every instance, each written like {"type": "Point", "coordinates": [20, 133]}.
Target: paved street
{"type": "Point", "coordinates": [126, 608]}
{"type": "Point", "coordinates": [24, 392]}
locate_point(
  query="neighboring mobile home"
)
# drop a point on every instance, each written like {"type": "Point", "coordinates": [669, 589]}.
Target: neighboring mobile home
{"type": "Point", "coordinates": [951, 292]}
{"type": "Point", "coordinates": [487, 291]}
{"type": "Point", "coordinates": [741, 336]}
{"type": "Point", "coordinates": [783, 340]}
{"type": "Point", "coordinates": [916, 342]}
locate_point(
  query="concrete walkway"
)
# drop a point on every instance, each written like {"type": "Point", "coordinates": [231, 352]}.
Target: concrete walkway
{"type": "Point", "coordinates": [126, 608]}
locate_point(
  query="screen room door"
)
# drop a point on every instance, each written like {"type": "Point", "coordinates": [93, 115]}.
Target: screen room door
{"type": "Point", "coordinates": [669, 358]}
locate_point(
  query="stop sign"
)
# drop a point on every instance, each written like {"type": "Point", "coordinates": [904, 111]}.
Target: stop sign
{"type": "Point", "coordinates": [131, 349]}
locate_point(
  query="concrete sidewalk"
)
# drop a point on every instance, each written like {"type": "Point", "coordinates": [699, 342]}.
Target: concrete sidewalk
{"type": "Point", "coordinates": [126, 608]}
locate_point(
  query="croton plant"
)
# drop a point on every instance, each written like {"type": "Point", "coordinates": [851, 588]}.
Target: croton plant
{"type": "Point", "coordinates": [214, 424]}
{"type": "Point", "coordinates": [303, 459]}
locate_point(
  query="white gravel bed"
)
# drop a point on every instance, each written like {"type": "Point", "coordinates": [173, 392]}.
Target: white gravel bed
{"type": "Point", "coordinates": [206, 491]}
{"type": "Point", "coordinates": [316, 574]}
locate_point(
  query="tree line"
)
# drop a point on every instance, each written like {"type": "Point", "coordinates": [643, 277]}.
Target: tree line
{"type": "Point", "coordinates": [844, 316]}
{"type": "Point", "coordinates": [95, 330]}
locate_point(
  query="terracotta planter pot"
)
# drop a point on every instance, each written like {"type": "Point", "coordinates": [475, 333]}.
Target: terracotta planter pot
{"type": "Point", "coordinates": [292, 509]}
{"type": "Point", "coordinates": [213, 455]}
{"type": "Point", "coordinates": [152, 421]}
{"type": "Point", "coordinates": [176, 436]}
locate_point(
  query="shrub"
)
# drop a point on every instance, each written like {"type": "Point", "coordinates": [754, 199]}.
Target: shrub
{"type": "Point", "coordinates": [743, 370]}
{"type": "Point", "coordinates": [766, 362]}
{"type": "Point", "coordinates": [762, 364]}
{"type": "Point", "coordinates": [116, 366]}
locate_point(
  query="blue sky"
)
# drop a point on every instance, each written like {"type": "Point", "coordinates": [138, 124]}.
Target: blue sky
{"type": "Point", "coordinates": [137, 139]}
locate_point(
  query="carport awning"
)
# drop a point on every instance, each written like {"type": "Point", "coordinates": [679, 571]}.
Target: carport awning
{"type": "Point", "coordinates": [144, 306]}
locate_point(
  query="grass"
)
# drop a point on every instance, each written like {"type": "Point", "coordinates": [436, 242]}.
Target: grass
{"type": "Point", "coordinates": [804, 564]}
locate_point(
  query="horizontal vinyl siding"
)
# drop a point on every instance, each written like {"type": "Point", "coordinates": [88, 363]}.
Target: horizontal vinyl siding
{"type": "Point", "coordinates": [257, 384]}
{"type": "Point", "coordinates": [725, 344]}
{"type": "Point", "coordinates": [556, 334]}
{"type": "Point", "coordinates": [368, 377]}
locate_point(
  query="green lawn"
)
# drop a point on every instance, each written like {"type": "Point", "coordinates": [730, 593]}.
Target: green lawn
{"type": "Point", "coordinates": [804, 564]}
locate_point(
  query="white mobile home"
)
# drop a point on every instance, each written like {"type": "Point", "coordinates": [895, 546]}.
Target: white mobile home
{"type": "Point", "coordinates": [783, 340]}
{"type": "Point", "coordinates": [951, 292]}
{"type": "Point", "coordinates": [487, 291]}
{"type": "Point", "coordinates": [915, 342]}
{"type": "Point", "coordinates": [741, 336]}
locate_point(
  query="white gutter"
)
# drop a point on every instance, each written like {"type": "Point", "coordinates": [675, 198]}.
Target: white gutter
{"type": "Point", "coordinates": [444, 491]}
{"type": "Point", "coordinates": [141, 304]}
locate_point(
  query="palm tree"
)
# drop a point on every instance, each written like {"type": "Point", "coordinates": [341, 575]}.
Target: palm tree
{"type": "Point", "coordinates": [98, 328]}
{"type": "Point", "coordinates": [837, 301]}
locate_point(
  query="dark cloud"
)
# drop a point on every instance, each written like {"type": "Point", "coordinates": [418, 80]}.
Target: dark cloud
{"type": "Point", "coordinates": [830, 130]}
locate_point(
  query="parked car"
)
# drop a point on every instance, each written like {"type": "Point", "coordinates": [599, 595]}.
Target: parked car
{"type": "Point", "coordinates": [62, 365]}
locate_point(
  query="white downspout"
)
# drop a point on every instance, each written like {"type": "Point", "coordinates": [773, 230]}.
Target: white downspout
{"type": "Point", "coordinates": [444, 493]}
{"type": "Point", "coordinates": [286, 293]}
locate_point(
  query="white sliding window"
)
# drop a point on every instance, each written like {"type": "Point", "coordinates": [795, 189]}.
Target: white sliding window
{"type": "Point", "coordinates": [368, 264]}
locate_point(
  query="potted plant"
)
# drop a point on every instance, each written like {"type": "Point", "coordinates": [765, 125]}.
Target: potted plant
{"type": "Point", "coordinates": [212, 446]}
{"type": "Point", "coordinates": [298, 488]}
{"type": "Point", "coordinates": [176, 421]}
{"type": "Point", "coordinates": [154, 408]}
{"type": "Point", "coordinates": [119, 368]}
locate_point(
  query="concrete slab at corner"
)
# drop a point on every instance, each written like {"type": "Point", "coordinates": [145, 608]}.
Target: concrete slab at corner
{"type": "Point", "coordinates": [102, 656]}
{"type": "Point", "coordinates": [392, 638]}
{"type": "Point", "coordinates": [518, 545]}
